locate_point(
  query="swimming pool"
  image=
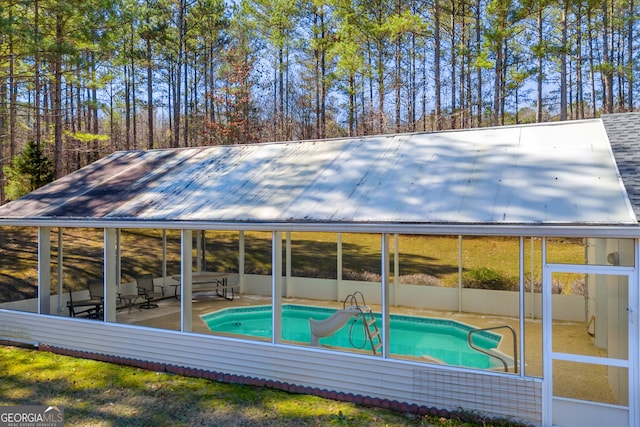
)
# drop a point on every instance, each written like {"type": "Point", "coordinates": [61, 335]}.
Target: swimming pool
{"type": "Point", "coordinates": [430, 339]}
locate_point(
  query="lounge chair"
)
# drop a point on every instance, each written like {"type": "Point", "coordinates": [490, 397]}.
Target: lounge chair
{"type": "Point", "coordinates": [146, 290]}
{"type": "Point", "coordinates": [91, 307]}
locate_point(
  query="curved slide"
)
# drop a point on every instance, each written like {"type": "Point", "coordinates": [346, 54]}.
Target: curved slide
{"type": "Point", "coordinates": [327, 327]}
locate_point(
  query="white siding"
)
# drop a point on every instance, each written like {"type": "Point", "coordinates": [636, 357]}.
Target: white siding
{"type": "Point", "coordinates": [396, 380]}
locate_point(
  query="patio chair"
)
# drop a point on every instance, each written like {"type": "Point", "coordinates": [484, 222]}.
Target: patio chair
{"type": "Point", "coordinates": [96, 290]}
{"type": "Point", "coordinates": [91, 307]}
{"type": "Point", "coordinates": [146, 290]}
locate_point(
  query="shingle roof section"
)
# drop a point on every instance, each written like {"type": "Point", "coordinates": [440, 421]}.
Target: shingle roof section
{"type": "Point", "coordinates": [623, 131]}
{"type": "Point", "coordinates": [554, 173]}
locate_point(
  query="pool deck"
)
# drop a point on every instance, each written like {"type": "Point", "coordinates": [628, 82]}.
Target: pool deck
{"type": "Point", "coordinates": [569, 382]}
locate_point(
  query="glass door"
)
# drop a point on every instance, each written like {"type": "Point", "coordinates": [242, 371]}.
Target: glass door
{"type": "Point", "coordinates": [588, 346]}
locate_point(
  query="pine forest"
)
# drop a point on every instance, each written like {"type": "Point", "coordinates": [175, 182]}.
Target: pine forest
{"type": "Point", "coordinates": [81, 79]}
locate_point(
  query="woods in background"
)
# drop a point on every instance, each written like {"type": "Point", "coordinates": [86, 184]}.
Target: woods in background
{"type": "Point", "coordinates": [80, 79]}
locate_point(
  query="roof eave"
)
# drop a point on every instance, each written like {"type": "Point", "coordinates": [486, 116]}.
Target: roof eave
{"type": "Point", "coordinates": [600, 230]}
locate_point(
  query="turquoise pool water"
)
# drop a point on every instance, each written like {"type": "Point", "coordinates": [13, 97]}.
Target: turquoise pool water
{"type": "Point", "coordinates": [423, 337]}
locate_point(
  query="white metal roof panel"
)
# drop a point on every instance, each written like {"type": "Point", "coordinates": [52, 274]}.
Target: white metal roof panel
{"type": "Point", "coordinates": [537, 174]}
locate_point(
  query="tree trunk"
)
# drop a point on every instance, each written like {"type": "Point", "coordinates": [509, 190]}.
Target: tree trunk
{"type": "Point", "coordinates": [185, 132]}
{"type": "Point", "coordinates": [497, 83]}
{"type": "Point", "coordinates": [127, 108]}
{"type": "Point", "coordinates": [178, 74]}
{"type": "Point", "coordinates": [380, 66]}
{"type": "Point", "coordinates": [479, 69]}
{"type": "Point", "coordinates": [424, 89]}
{"type": "Point", "coordinates": [36, 70]}
{"type": "Point", "coordinates": [579, 83]}
{"type": "Point", "coordinates": [94, 107]}
{"type": "Point", "coordinates": [352, 104]}
{"type": "Point", "coordinates": [134, 99]}
{"type": "Point", "coordinates": [323, 79]}
{"type": "Point", "coordinates": [436, 63]}
{"type": "Point", "coordinates": [563, 63]}
{"type": "Point", "coordinates": [630, 33]}
{"type": "Point", "coordinates": [13, 95]}
{"type": "Point", "coordinates": [539, 73]}
{"type": "Point", "coordinates": [606, 61]}
{"type": "Point", "coordinates": [3, 130]}
{"type": "Point", "coordinates": [316, 69]}
{"type": "Point", "coordinates": [453, 64]}
{"type": "Point", "coordinates": [149, 95]}
{"type": "Point", "coordinates": [57, 98]}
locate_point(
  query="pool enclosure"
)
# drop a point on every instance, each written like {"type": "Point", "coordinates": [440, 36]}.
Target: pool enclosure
{"type": "Point", "coordinates": [527, 235]}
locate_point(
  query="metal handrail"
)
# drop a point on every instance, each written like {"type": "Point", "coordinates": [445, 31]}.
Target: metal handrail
{"type": "Point", "coordinates": [353, 300]}
{"type": "Point", "coordinates": [482, 350]}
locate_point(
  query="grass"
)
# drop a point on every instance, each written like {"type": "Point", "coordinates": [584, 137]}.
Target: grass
{"type": "Point", "coordinates": [103, 394]}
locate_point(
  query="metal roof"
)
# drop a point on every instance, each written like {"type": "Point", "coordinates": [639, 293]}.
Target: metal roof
{"type": "Point", "coordinates": [553, 173]}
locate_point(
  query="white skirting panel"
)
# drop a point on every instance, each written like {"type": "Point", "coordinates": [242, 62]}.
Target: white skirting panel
{"type": "Point", "coordinates": [573, 413]}
{"type": "Point", "coordinates": [491, 394]}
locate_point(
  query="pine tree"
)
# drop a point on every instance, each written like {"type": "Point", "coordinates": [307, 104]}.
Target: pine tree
{"type": "Point", "coordinates": [28, 171]}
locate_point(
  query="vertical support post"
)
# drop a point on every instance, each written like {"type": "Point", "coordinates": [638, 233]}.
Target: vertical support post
{"type": "Point", "coordinates": [241, 277]}
{"type": "Point", "coordinates": [384, 298]}
{"type": "Point", "coordinates": [460, 274]}
{"type": "Point", "coordinates": [204, 250]}
{"type": "Point", "coordinates": [276, 286]}
{"type": "Point", "coordinates": [164, 258]}
{"type": "Point", "coordinates": [339, 268]}
{"type": "Point", "coordinates": [533, 294]}
{"type": "Point", "coordinates": [396, 268]}
{"type": "Point", "coordinates": [44, 270]}
{"type": "Point", "coordinates": [118, 258]}
{"type": "Point", "coordinates": [60, 270]}
{"type": "Point", "coordinates": [634, 331]}
{"type": "Point", "coordinates": [521, 309]}
{"type": "Point", "coordinates": [199, 251]}
{"type": "Point", "coordinates": [287, 280]}
{"type": "Point", "coordinates": [547, 344]}
{"type": "Point", "coordinates": [110, 268]}
{"type": "Point", "coordinates": [186, 262]}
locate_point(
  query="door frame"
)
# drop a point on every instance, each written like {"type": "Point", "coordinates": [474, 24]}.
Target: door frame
{"type": "Point", "coordinates": [578, 407]}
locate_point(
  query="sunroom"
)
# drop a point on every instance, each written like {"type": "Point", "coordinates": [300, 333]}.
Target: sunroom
{"type": "Point", "coordinates": [493, 270]}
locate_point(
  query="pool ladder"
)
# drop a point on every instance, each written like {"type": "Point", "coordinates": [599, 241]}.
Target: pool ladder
{"type": "Point", "coordinates": [368, 320]}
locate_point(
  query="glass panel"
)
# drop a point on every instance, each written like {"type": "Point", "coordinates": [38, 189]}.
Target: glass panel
{"type": "Point", "coordinates": [222, 305]}
{"type": "Point", "coordinates": [19, 268]}
{"type": "Point", "coordinates": [142, 264]}
{"type": "Point", "coordinates": [314, 255]}
{"type": "Point", "coordinates": [591, 251]}
{"type": "Point", "coordinates": [258, 252]}
{"type": "Point", "coordinates": [361, 257]}
{"type": "Point", "coordinates": [595, 383]}
{"type": "Point", "coordinates": [221, 251]}
{"type": "Point", "coordinates": [533, 307]}
{"type": "Point", "coordinates": [320, 311]}
{"type": "Point", "coordinates": [491, 263]}
{"type": "Point", "coordinates": [596, 322]}
{"type": "Point", "coordinates": [427, 260]}
{"type": "Point", "coordinates": [427, 322]}
{"type": "Point", "coordinates": [82, 269]}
